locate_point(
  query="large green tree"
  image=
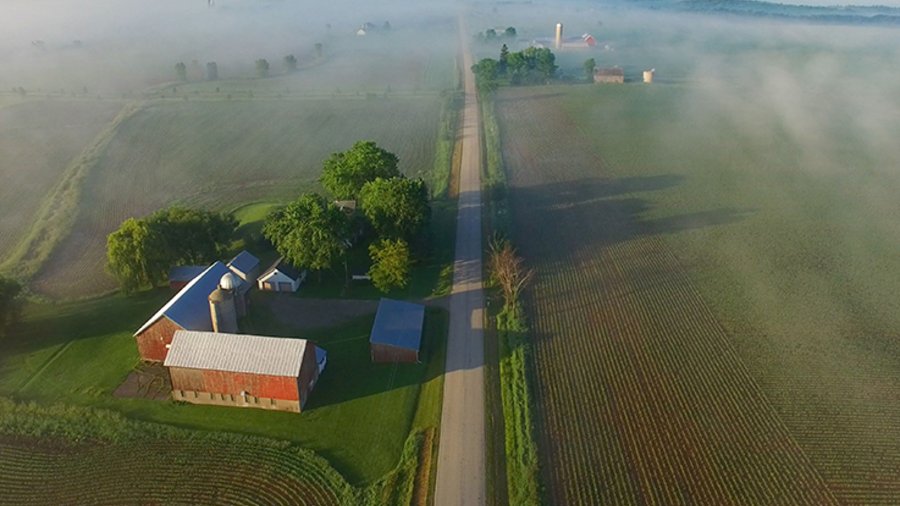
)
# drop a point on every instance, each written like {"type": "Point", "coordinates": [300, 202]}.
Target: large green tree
{"type": "Point", "coordinates": [390, 264]}
{"type": "Point", "coordinates": [486, 72]}
{"type": "Point", "coordinates": [309, 233]}
{"type": "Point", "coordinates": [10, 290]}
{"type": "Point", "coordinates": [131, 256]}
{"type": "Point", "coordinates": [396, 207]}
{"type": "Point", "coordinates": [141, 252]}
{"type": "Point", "coordinates": [344, 174]}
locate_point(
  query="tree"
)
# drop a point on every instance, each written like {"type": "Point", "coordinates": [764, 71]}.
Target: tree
{"type": "Point", "coordinates": [309, 232]}
{"type": "Point", "coordinates": [531, 66]}
{"type": "Point", "coordinates": [130, 256]}
{"type": "Point", "coordinates": [344, 174]}
{"type": "Point", "coordinates": [212, 71]}
{"type": "Point", "coordinates": [589, 66]}
{"type": "Point", "coordinates": [503, 62]}
{"type": "Point", "coordinates": [396, 207]}
{"type": "Point", "coordinates": [486, 71]}
{"type": "Point", "coordinates": [510, 32]}
{"type": "Point", "coordinates": [262, 67]}
{"type": "Point", "coordinates": [508, 271]}
{"type": "Point", "coordinates": [10, 290]}
{"type": "Point", "coordinates": [318, 48]}
{"type": "Point", "coordinates": [390, 264]}
{"type": "Point", "coordinates": [141, 252]}
{"type": "Point", "coordinates": [181, 71]}
{"type": "Point", "coordinates": [290, 62]}
{"type": "Point", "coordinates": [490, 34]}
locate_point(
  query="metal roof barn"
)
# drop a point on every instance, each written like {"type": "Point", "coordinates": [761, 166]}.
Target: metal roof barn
{"type": "Point", "coordinates": [397, 332]}
{"type": "Point", "coordinates": [243, 370]}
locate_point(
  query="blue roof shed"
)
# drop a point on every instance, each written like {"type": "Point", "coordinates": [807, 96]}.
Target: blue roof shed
{"type": "Point", "coordinates": [397, 331]}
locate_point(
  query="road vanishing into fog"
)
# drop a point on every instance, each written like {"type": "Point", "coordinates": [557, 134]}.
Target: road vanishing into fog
{"type": "Point", "coordinates": [461, 454]}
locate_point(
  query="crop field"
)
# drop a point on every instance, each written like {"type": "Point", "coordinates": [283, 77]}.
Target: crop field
{"type": "Point", "coordinates": [163, 472]}
{"type": "Point", "coordinates": [712, 315]}
{"type": "Point", "coordinates": [220, 154]}
{"type": "Point", "coordinates": [38, 140]}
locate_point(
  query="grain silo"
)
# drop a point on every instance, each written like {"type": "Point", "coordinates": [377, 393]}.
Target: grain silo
{"type": "Point", "coordinates": [559, 35]}
{"type": "Point", "coordinates": [222, 309]}
{"type": "Point", "coordinates": [648, 75]}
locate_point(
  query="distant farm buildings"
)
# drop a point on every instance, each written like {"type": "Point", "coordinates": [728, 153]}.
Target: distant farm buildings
{"type": "Point", "coordinates": [648, 75]}
{"type": "Point", "coordinates": [609, 75]}
{"type": "Point", "coordinates": [585, 41]}
{"type": "Point", "coordinates": [397, 332]}
{"type": "Point", "coordinates": [243, 370]}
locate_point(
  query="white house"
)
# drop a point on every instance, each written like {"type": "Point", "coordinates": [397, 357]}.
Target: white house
{"type": "Point", "coordinates": [281, 277]}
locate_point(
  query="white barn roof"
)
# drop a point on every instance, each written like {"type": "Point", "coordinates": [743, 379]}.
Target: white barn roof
{"type": "Point", "coordinates": [273, 356]}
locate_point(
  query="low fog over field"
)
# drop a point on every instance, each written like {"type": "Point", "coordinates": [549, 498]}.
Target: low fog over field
{"type": "Point", "coordinates": [120, 46]}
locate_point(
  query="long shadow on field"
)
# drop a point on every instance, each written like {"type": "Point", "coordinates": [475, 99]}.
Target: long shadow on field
{"type": "Point", "coordinates": [591, 213]}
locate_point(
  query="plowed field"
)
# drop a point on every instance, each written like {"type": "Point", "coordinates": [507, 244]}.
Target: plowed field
{"type": "Point", "coordinates": [661, 377]}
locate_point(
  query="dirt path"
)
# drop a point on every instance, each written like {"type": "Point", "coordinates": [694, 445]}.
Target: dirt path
{"type": "Point", "coordinates": [461, 458]}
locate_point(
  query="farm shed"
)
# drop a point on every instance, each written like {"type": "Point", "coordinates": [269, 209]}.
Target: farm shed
{"type": "Point", "coordinates": [397, 332]}
{"type": "Point", "coordinates": [243, 370]}
{"type": "Point", "coordinates": [609, 75]}
{"type": "Point", "coordinates": [246, 266]}
{"type": "Point", "coordinates": [187, 310]}
{"type": "Point", "coordinates": [281, 277]}
{"type": "Point", "coordinates": [180, 276]}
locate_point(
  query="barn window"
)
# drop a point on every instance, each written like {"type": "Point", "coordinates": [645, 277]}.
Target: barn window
{"type": "Point", "coordinates": [272, 402]}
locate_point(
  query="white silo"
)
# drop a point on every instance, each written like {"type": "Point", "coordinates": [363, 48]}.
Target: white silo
{"type": "Point", "coordinates": [559, 35]}
{"type": "Point", "coordinates": [222, 310]}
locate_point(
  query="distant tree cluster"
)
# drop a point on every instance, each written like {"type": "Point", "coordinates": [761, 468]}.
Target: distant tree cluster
{"type": "Point", "coordinates": [141, 252]}
{"type": "Point", "coordinates": [530, 66]}
{"type": "Point", "coordinates": [314, 233]}
{"type": "Point", "coordinates": [491, 34]}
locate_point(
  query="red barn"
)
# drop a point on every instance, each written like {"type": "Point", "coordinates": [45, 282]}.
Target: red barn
{"type": "Point", "coordinates": [188, 309]}
{"type": "Point", "coordinates": [243, 370]}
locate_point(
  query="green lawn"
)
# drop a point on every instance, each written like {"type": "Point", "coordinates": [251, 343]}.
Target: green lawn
{"type": "Point", "coordinates": [358, 417]}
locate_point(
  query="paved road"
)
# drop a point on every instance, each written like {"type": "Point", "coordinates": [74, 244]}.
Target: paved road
{"type": "Point", "coordinates": [461, 458]}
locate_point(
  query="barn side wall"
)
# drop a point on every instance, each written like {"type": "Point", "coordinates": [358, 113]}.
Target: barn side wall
{"type": "Point", "coordinates": [382, 353]}
{"type": "Point", "coordinates": [152, 341]}
{"type": "Point", "coordinates": [309, 373]}
{"type": "Point", "coordinates": [203, 386]}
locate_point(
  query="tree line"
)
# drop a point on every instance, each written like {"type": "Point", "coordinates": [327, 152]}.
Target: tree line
{"type": "Point", "coordinates": [530, 66]}
{"type": "Point", "coordinates": [262, 66]}
{"type": "Point", "coordinates": [312, 232]}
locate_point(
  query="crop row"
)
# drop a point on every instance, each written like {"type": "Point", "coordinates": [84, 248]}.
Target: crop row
{"type": "Point", "coordinates": [162, 472]}
{"type": "Point", "coordinates": [642, 398]}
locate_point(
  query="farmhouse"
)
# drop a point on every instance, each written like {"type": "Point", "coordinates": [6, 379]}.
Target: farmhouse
{"type": "Point", "coordinates": [281, 277]}
{"type": "Point", "coordinates": [609, 75]}
{"type": "Point", "coordinates": [397, 332]}
{"type": "Point", "coordinates": [243, 370]}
